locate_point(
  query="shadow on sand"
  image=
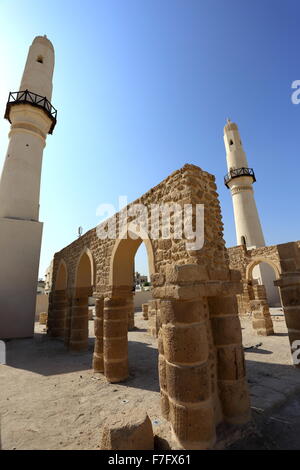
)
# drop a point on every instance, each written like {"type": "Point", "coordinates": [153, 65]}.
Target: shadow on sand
{"type": "Point", "coordinates": [48, 356]}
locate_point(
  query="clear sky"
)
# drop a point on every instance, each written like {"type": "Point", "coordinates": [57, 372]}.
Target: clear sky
{"type": "Point", "coordinates": [144, 86]}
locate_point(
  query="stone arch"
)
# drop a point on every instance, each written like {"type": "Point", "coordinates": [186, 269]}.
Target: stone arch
{"type": "Point", "coordinates": [256, 261]}
{"type": "Point", "coordinates": [58, 302]}
{"type": "Point", "coordinates": [118, 305]}
{"type": "Point", "coordinates": [196, 295]}
{"type": "Point", "coordinates": [120, 271]}
{"type": "Point", "coordinates": [269, 276]}
{"type": "Point", "coordinates": [85, 270]}
{"type": "Point", "coordinates": [61, 280]}
{"type": "Point", "coordinates": [77, 325]}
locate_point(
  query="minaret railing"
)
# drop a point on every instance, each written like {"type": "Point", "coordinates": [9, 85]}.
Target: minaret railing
{"type": "Point", "coordinates": [28, 97]}
{"type": "Point", "coordinates": [238, 172]}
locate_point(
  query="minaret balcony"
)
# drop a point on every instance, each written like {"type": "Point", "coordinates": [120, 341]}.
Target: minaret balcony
{"type": "Point", "coordinates": [237, 173]}
{"type": "Point", "coordinates": [28, 97]}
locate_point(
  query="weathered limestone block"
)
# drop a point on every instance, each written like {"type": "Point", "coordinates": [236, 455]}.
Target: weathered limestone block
{"type": "Point", "coordinates": [68, 322]}
{"type": "Point", "coordinates": [153, 317]}
{"type": "Point", "coordinates": [43, 316]}
{"type": "Point", "coordinates": [261, 317]}
{"type": "Point", "coordinates": [98, 364]}
{"type": "Point", "coordinates": [194, 426]}
{"type": "Point", "coordinates": [115, 343]}
{"type": "Point", "coordinates": [184, 371]}
{"type": "Point", "coordinates": [231, 371]}
{"type": "Point", "coordinates": [132, 431]}
{"type": "Point", "coordinates": [145, 311]}
{"type": "Point", "coordinates": [79, 320]}
{"type": "Point", "coordinates": [58, 307]}
{"type": "Point", "coordinates": [289, 284]}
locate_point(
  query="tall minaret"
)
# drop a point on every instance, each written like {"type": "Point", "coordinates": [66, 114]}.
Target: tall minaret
{"type": "Point", "coordinates": [239, 180]}
{"type": "Point", "coordinates": [32, 117]}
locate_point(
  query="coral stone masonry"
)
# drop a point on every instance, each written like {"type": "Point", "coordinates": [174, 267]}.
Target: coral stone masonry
{"type": "Point", "coordinates": [201, 359]}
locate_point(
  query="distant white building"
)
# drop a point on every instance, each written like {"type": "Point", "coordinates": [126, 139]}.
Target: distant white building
{"type": "Point", "coordinates": [139, 279]}
{"type": "Point", "coordinates": [41, 287]}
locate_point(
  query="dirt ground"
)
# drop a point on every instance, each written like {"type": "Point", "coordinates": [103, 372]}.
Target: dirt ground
{"type": "Point", "coordinates": [51, 399]}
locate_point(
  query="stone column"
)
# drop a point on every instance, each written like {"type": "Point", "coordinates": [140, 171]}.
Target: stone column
{"type": "Point", "coordinates": [153, 314]}
{"type": "Point", "coordinates": [131, 313]}
{"type": "Point", "coordinates": [245, 298]}
{"type": "Point", "coordinates": [98, 364]}
{"type": "Point", "coordinates": [231, 373]}
{"type": "Point", "coordinates": [184, 371]}
{"type": "Point", "coordinates": [115, 342]}
{"type": "Point", "coordinates": [50, 313]}
{"type": "Point", "coordinates": [261, 317]}
{"type": "Point", "coordinates": [58, 313]}
{"type": "Point", "coordinates": [79, 322]}
{"type": "Point", "coordinates": [145, 311]}
{"type": "Point", "coordinates": [289, 285]}
{"type": "Point", "coordinates": [68, 320]}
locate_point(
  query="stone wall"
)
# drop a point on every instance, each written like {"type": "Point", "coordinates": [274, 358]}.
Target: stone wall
{"type": "Point", "coordinates": [285, 259]}
{"type": "Point", "coordinates": [201, 358]}
{"type": "Point", "coordinates": [244, 261]}
{"type": "Point", "coordinates": [42, 301]}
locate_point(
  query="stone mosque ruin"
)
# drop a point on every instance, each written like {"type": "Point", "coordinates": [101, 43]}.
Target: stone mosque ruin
{"type": "Point", "coordinates": [197, 294]}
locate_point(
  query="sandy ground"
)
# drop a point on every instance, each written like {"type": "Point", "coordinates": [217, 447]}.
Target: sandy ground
{"type": "Point", "coordinates": [51, 399]}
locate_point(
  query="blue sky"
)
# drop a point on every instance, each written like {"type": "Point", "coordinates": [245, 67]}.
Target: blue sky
{"type": "Point", "coordinates": [144, 86]}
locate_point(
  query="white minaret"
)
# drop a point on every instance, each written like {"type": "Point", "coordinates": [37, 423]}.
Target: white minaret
{"type": "Point", "coordinates": [32, 117]}
{"type": "Point", "coordinates": [239, 180]}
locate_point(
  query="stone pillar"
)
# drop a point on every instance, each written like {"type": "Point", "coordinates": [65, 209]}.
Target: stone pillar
{"type": "Point", "coordinates": [79, 321]}
{"type": "Point", "coordinates": [50, 313]}
{"type": "Point", "coordinates": [68, 320]}
{"type": "Point", "coordinates": [261, 317]}
{"type": "Point", "coordinates": [153, 317]}
{"type": "Point", "coordinates": [115, 341]}
{"type": "Point", "coordinates": [289, 285]}
{"type": "Point", "coordinates": [245, 298]}
{"type": "Point", "coordinates": [131, 313]}
{"type": "Point", "coordinates": [145, 311]}
{"type": "Point", "coordinates": [184, 371]}
{"type": "Point", "coordinates": [231, 372]}
{"type": "Point", "coordinates": [58, 310]}
{"type": "Point", "coordinates": [98, 364]}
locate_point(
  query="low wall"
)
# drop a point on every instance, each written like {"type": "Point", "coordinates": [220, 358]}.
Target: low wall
{"type": "Point", "coordinates": [41, 304]}
{"type": "Point", "coordinates": [140, 298]}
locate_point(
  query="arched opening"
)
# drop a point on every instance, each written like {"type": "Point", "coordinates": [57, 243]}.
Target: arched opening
{"type": "Point", "coordinates": [122, 259]}
{"type": "Point", "coordinates": [126, 253]}
{"type": "Point", "coordinates": [83, 290]}
{"type": "Point", "coordinates": [265, 272]}
{"type": "Point", "coordinates": [142, 284]}
{"type": "Point", "coordinates": [118, 308]}
{"type": "Point", "coordinates": [61, 277]}
{"type": "Point", "coordinates": [243, 240]}
{"type": "Point", "coordinates": [84, 272]}
{"type": "Point", "coordinates": [59, 304]}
